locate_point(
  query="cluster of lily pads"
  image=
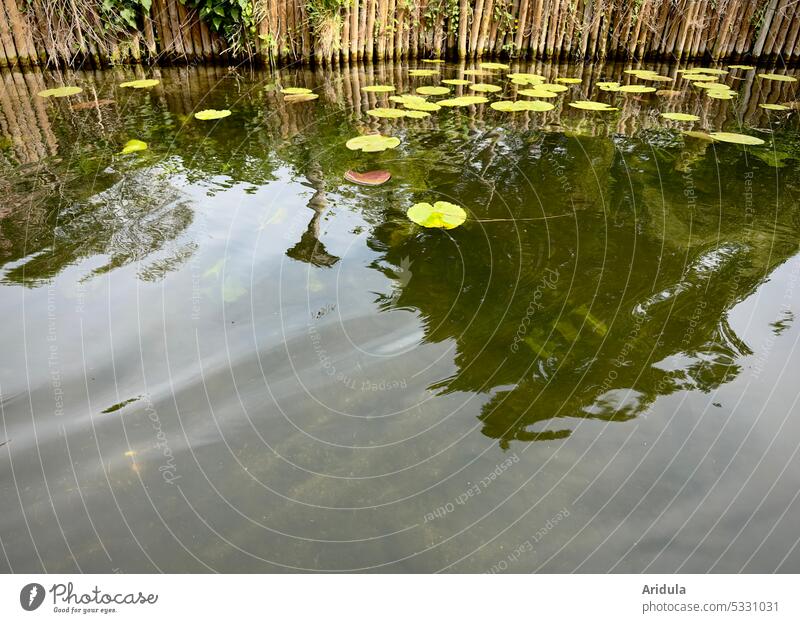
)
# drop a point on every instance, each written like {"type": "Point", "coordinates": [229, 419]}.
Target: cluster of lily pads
{"type": "Point", "coordinates": [535, 88]}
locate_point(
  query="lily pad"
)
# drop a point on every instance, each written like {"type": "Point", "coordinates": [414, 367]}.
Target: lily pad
{"type": "Point", "coordinates": [442, 214]}
{"type": "Point", "coordinates": [701, 77]}
{"type": "Point", "coordinates": [464, 100]}
{"type": "Point", "coordinates": [210, 114]}
{"type": "Point", "coordinates": [703, 136]}
{"type": "Point", "coordinates": [537, 93]}
{"type": "Point", "coordinates": [485, 88]}
{"type": "Point", "coordinates": [523, 79]}
{"type": "Point", "coordinates": [494, 66]}
{"type": "Point", "coordinates": [569, 80]}
{"type": "Point", "coordinates": [378, 88]}
{"type": "Point", "coordinates": [477, 72]}
{"type": "Point", "coordinates": [433, 90]}
{"type": "Point", "coordinates": [636, 88]}
{"type": "Point", "coordinates": [456, 82]}
{"type": "Point", "coordinates": [746, 67]}
{"type": "Point", "coordinates": [417, 114]}
{"type": "Point", "coordinates": [295, 91]}
{"type": "Point", "coordinates": [656, 78]}
{"type": "Point", "coordinates": [739, 139]}
{"type": "Point", "coordinates": [60, 92]}
{"type": "Point", "coordinates": [777, 77]}
{"type": "Point", "coordinates": [554, 88]}
{"type": "Point", "coordinates": [774, 107]}
{"type": "Point", "coordinates": [679, 116]}
{"type": "Point", "coordinates": [371, 143]}
{"type": "Point", "coordinates": [300, 97]}
{"type": "Point", "coordinates": [368, 178]}
{"type": "Point", "coordinates": [141, 84]}
{"type": "Point", "coordinates": [720, 94]}
{"type": "Point", "coordinates": [387, 113]}
{"type": "Point", "coordinates": [432, 60]}
{"type": "Point", "coordinates": [421, 105]}
{"type": "Point", "coordinates": [589, 105]}
{"type": "Point", "coordinates": [133, 145]}
{"type": "Point", "coordinates": [607, 84]}
{"type": "Point", "coordinates": [423, 72]}
{"type": "Point", "coordinates": [707, 70]}
{"type": "Point", "coordinates": [522, 106]}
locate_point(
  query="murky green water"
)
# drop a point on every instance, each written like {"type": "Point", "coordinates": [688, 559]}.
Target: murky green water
{"type": "Point", "coordinates": [219, 355]}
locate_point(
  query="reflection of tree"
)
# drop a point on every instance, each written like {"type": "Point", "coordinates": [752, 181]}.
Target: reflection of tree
{"type": "Point", "coordinates": [309, 248]}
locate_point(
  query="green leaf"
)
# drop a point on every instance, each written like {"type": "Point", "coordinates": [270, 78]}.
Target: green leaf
{"type": "Point", "coordinates": [210, 114]}
{"type": "Point", "coordinates": [442, 214]}
{"type": "Point", "coordinates": [371, 143]}
{"type": "Point", "coordinates": [133, 145]}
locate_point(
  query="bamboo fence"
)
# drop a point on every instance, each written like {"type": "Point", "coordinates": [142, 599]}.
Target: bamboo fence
{"type": "Point", "coordinates": [374, 30]}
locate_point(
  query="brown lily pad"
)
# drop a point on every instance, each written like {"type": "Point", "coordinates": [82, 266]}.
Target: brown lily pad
{"type": "Point", "coordinates": [92, 104]}
{"type": "Point", "coordinates": [368, 178]}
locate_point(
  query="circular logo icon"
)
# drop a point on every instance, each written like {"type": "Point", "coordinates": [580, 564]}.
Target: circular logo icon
{"type": "Point", "coordinates": [31, 596]}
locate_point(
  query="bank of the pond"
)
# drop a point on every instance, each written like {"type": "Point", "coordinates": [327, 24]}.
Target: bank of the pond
{"type": "Point", "coordinates": [323, 31]}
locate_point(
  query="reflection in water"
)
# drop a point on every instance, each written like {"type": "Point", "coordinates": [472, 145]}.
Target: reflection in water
{"type": "Point", "coordinates": [290, 346]}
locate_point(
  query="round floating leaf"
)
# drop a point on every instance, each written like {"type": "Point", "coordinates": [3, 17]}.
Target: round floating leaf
{"type": "Point", "coordinates": [703, 136]}
{"type": "Point", "coordinates": [521, 106]}
{"type": "Point", "coordinates": [387, 113]}
{"type": "Point", "coordinates": [636, 88]}
{"type": "Point", "coordinates": [417, 114]}
{"type": "Point", "coordinates": [441, 214]}
{"type": "Point", "coordinates": [133, 145]}
{"type": "Point", "coordinates": [295, 91]}
{"type": "Point", "coordinates": [522, 79]}
{"type": "Point", "coordinates": [701, 77]}
{"type": "Point", "coordinates": [300, 97]}
{"type": "Point", "coordinates": [477, 72]}
{"type": "Point", "coordinates": [423, 72]}
{"type": "Point", "coordinates": [371, 143]}
{"type": "Point", "coordinates": [613, 87]}
{"type": "Point", "coordinates": [368, 178]}
{"type": "Point", "coordinates": [456, 82]}
{"type": "Point", "coordinates": [668, 93]}
{"type": "Point", "coordinates": [569, 80]}
{"type": "Point", "coordinates": [433, 90]}
{"type": "Point", "coordinates": [464, 100]}
{"type": "Point", "coordinates": [706, 70]}
{"type": "Point", "coordinates": [589, 105]}
{"type": "Point", "coordinates": [484, 88]}
{"type": "Point", "coordinates": [60, 92]}
{"type": "Point", "coordinates": [739, 139]}
{"type": "Point", "coordinates": [774, 107]}
{"type": "Point", "coordinates": [432, 60]}
{"type": "Point", "coordinates": [607, 84]}
{"type": "Point", "coordinates": [210, 114]}
{"type": "Point", "coordinates": [422, 106]}
{"type": "Point", "coordinates": [777, 77]}
{"type": "Point", "coordinates": [378, 88]}
{"type": "Point", "coordinates": [406, 97]}
{"type": "Point", "coordinates": [679, 116]}
{"type": "Point", "coordinates": [537, 93]}
{"type": "Point", "coordinates": [745, 67]}
{"type": "Point", "coordinates": [494, 66]}
{"type": "Point", "coordinates": [554, 88]}
{"type": "Point", "coordinates": [711, 85]}
{"type": "Point", "coordinates": [656, 78]}
{"type": "Point", "coordinates": [141, 84]}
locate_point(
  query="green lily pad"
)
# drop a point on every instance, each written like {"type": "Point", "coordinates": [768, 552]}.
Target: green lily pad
{"type": "Point", "coordinates": [712, 85]}
{"type": "Point", "coordinates": [522, 106]}
{"type": "Point", "coordinates": [774, 107]}
{"type": "Point", "coordinates": [537, 93]}
{"type": "Point", "coordinates": [417, 114]}
{"type": "Point", "coordinates": [456, 82]}
{"type": "Point", "coordinates": [387, 113]}
{"type": "Point", "coordinates": [701, 77]}
{"type": "Point", "coordinates": [720, 94]}
{"type": "Point", "coordinates": [371, 143]}
{"type": "Point", "coordinates": [133, 145]}
{"type": "Point", "coordinates": [494, 66]}
{"type": "Point", "coordinates": [636, 88]}
{"type": "Point", "coordinates": [141, 84]}
{"type": "Point", "coordinates": [423, 72]}
{"type": "Point", "coordinates": [378, 88]}
{"type": "Point", "coordinates": [589, 105]}
{"type": "Point", "coordinates": [300, 97]}
{"type": "Point", "coordinates": [210, 114]}
{"type": "Point", "coordinates": [464, 100]}
{"type": "Point", "coordinates": [433, 90]}
{"type": "Point", "coordinates": [442, 214]}
{"type": "Point", "coordinates": [656, 78]}
{"type": "Point", "coordinates": [295, 91]}
{"type": "Point", "coordinates": [523, 79]}
{"type": "Point", "coordinates": [569, 80]}
{"type": "Point", "coordinates": [746, 67]}
{"type": "Point", "coordinates": [612, 87]}
{"type": "Point", "coordinates": [485, 88]}
{"type": "Point", "coordinates": [679, 116]}
{"type": "Point", "coordinates": [432, 60]}
{"type": "Point", "coordinates": [422, 106]}
{"type": "Point", "coordinates": [60, 92]}
{"type": "Point", "coordinates": [777, 77]}
{"type": "Point", "coordinates": [607, 84]}
{"type": "Point", "coordinates": [739, 139]}
{"type": "Point", "coordinates": [554, 88]}
{"type": "Point", "coordinates": [703, 136]}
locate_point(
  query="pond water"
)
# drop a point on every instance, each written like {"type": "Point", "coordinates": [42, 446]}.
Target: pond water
{"type": "Point", "coordinates": [220, 355]}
